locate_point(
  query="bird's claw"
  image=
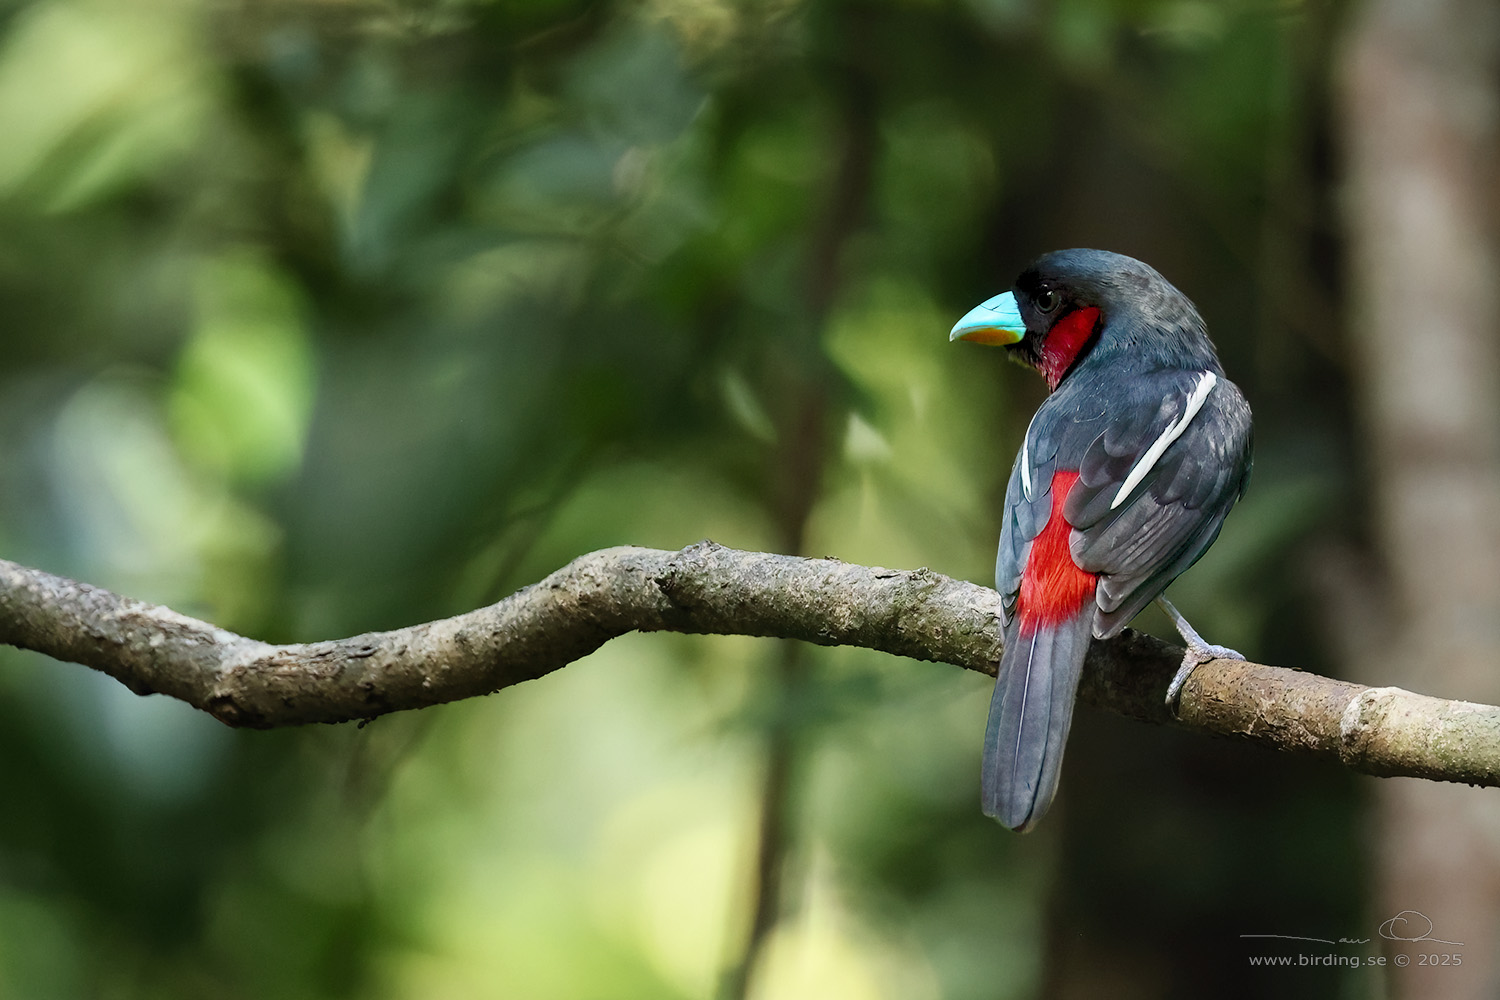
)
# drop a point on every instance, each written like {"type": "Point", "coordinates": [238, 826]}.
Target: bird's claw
{"type": "Point", "coordinates": [1198, 651]}
{"type": "Point", "coordinates": [1194, 657]}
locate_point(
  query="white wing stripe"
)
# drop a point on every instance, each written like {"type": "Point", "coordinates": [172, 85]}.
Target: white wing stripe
{"type": "Point", "coordinates": [1026, 466]}
{"type": "Point", "coordinates": [1026, 460]}
{"type": "Point", "coordinates": [1174, 431]}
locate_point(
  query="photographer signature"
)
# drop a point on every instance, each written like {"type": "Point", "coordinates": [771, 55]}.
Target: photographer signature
{"type": "Point", "coordinates": [1408, 925]}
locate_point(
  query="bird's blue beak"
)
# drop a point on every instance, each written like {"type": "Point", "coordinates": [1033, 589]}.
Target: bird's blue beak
{"type": "Point", "coordinates": [995, 321]}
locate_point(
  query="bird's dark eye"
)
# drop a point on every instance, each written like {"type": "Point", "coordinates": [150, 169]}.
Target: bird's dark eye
{"type": "Point", "coordinates": [1046, 300]}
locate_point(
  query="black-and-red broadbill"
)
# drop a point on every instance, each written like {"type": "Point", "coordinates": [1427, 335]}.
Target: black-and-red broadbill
{"type": "Point", "coordinates": [1124, 478]}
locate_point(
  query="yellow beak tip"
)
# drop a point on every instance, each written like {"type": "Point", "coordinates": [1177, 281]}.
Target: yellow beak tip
{"type": "Point", "coordinates": [990, 336]}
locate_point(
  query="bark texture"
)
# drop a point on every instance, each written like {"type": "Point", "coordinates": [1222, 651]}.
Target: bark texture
{"type": "Point", "coordinates": [709, 589]}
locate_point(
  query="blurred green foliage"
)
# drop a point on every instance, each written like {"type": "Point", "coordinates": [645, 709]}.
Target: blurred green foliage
{"type": "Point", "coordinates": [331, 315]}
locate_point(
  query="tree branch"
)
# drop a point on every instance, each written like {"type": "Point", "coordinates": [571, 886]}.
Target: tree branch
{"type": "Point", "coordinates": [709, 589]}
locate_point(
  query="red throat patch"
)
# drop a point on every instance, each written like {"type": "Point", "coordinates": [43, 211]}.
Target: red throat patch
{"type": "Point", "coordinates": [1066, 338]}
{"type": "Point", "coordinates": [1053, 588]}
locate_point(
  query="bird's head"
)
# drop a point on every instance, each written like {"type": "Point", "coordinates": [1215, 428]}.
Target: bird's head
{"type": "Point", "coordinates": [1073, 304]}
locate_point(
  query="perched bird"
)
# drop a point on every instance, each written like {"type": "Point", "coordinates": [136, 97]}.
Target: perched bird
{"type": "Point", "coordinates": [1124, 477]}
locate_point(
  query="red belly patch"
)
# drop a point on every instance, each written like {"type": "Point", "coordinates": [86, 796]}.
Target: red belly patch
{"type": "Point", "coordinates": [1053, 588]}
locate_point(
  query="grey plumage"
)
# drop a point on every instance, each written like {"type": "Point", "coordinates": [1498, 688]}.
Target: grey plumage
{"type": "Point", "coordinates": [1031, 712]}
{"type": "Point", "coordinates": [1130, 384]}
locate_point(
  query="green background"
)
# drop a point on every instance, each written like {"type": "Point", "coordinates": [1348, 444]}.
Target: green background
{"type": "Point", "coordinates": [321, 317]}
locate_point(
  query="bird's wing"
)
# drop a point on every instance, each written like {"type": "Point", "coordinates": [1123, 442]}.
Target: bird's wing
{"type": "Point", "coordinates": [1059, 433]}
{"type": "Point", "coordinates": [1153, 488]}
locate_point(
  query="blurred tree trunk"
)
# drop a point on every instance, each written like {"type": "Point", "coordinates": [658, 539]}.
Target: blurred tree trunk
{"type": "Point", "coordinates": [1420, 116]}
{"type": "Point", "coordinates": [797, 467]}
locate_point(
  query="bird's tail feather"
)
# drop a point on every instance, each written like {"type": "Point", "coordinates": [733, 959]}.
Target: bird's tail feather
{"type": "Point", "coordinates": [1030, 714]}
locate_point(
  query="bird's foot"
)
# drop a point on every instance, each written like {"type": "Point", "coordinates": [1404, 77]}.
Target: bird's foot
{"type": "Point", "coordinates": [1197, 654]}
{"type": "Point", "coordinates": [1198, 651]}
